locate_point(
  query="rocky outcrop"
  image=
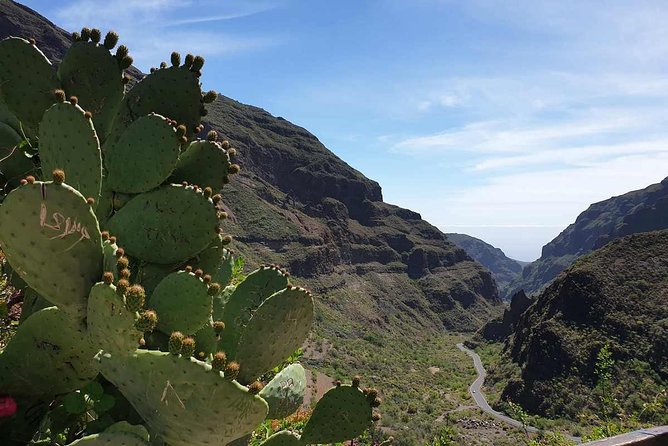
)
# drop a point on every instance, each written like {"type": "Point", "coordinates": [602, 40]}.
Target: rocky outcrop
{"type": "Point", "coordinates": [615, 296]}
{"type": "Point", "coordinates": [503, 268]}
{"type": "Point", "coordinates": [498, 329]}
{"type": "Point", "coordinates": [634, 212]}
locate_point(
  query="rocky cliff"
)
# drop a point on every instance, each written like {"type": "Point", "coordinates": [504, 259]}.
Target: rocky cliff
{"type": "Point", "coordinates": [615, 296]}
{"type": "Point", "coordinates": [503, 268]}
{"type": "Point", "coordinates": [638, 211]}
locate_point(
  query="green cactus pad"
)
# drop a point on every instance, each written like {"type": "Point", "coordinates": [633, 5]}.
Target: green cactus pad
{"type": "Point", "coordinates": [105, 206]}
{"type": "Point", "coordinates": [109, 258]}
{"type": "Point", "coordinates": [342, 414]}
{"type": "Point", "coordinates": [206, 342]}
{"type": "Point", "coordinates": [50, 354]}
{"type": "Point", "coordinates": [173, 92]}
{"type": "Point", "coordinates": [277, 328]}
{"type": "Point", "coordinates": [182, 302]}
{"type": "Point", "coordinates": [285, 392]}
{"type": "Point", "coordinates": [9, 118]}
{"type": "Point", "coordinates": [142, 157]}
{"type": "Point", "coordinates": [167, 225]}
{"type": "Point", "coordinates": [51, 237]}
{"type": "Point", "coordinates": [119, 434]}
{"type": "Point", "coordinates": [8, 139]}
{"type": "Point", "coordinates": [248, 295]}
{"type": "Point", "coordinates": [151, 274]}
{"type": "Point", "coordinates": [184, 402]}
{"type": "Point", "coordinates": [67, 140]}
{"type": "Point", "coordinates": [89, 72]}
{"type": "Point", "coordinates": [204, 163]}
{"type": "Point", "coordinates": [110, 324]}
{"type": "Point", "coordinates": [216, 261]}
{"type": "Point", "coordinates": [283, 438]}
{"type": "Point", "coordinates": [27, 82]}
{"type": "Point", "coordinates": [220, 300]}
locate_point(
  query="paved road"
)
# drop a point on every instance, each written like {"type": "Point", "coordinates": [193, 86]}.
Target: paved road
{"type": "Point", "coordinates": [481, 401]}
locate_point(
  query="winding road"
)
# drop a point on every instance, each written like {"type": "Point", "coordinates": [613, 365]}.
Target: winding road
{"type": "Point", "coordinates": [481, 401]}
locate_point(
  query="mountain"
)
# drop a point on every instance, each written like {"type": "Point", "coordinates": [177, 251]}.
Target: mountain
{"type": "Point", "coordinates": [615, 296]}
{"type": "Point", "coordinates": [638, 211]}
{"type": "Point", "coordinates": [386, 282]}
{"type": "Point", "coordinates": [503, 269]}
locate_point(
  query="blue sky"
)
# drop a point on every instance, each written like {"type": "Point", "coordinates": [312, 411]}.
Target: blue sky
{"type": "Point", "coordinates": [503, 120]}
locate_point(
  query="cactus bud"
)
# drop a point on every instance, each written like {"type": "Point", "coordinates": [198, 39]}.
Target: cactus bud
{"type": "Point", "coordinates": [375, 416]}
{"type": "Point", "coordinates": [135, 298]}
{"type": "Point", "coordinates": [356, 381]}
{"type": "Point", "coordinates": [225, 144]}
{"type": "Point", "coordinates": [163, 64]}
{"type": "Point", "coordinates": [227, 240]}
{"type": "Point", "coordinates": [188, 269]}
{"type": "Point", "coordinates": [176, 59]}
{"type": "Point", "coordinates": [110, 40]}
{"type": "Point", "coordinates": [188, 347]}
{"type": "Point", "coordinates": [147, 321]}
{"type": "Point", "coordinates": [108, 278]}
{"type": "Point", "coordinates": [214, 289]}
{"type": "Point", "coordinates": [126, 62]}
{"type": "Point", "coordinates": [88, 115]}
{"type": "Point", "coordinates": [376, 402]}
{"type": "Point", "coordinates": [371, 394]}
{"type": "Point", "coordinates": [337, 383]}
{"type": "Point", "coordinates": [216, 198]}
{"type": "Point", "coordinates": [234, 168]}
{"type": "Point", "coordinates": [232, 151]}
{"type": "Point", "coordinates": [207, 192]}
{"type": "Point", "coordinates": [112, 239]}
{"type": "Point", "coordinates": [23, 182]}
{"type": "Point", "coordinates": [218, 326]}
{"type": "Point", "coordinates": [90, 201]}
{"type": "Point", "coordinates": [122, 262]}
{"type": "Point", "coordinates": [74, 100]}
{"type": "Point", "coordinates": [121, 52]}
{"type": "Point", "coordinates": [189, 60]}
{"type": "Point", "coordinates": [120, 252]}
{"type": "Point", "coordinates": [122, 285]}
{"type": "Point", "coordinates": [206, 279]}
{"type": "Point", "coordinates": [212, 135]}
{"type": "Point", "coordinates": [58, 176]}
{"type": "Point", "coordinates": [95, 35]}
{"type": "Point", "coordinates": [198, 63]}
{"type": "Point", "coordinates": [209, 97]}
{"type": "Point", "coordinates": [76, 36]}
{"type": "Point", "coordinates": [30, 179]}
{"type": "Point", "coordinates": [198, 273]}
{"type": "Point", "coordinates": [221, 215]}
{"type": "Point", "coordinates": [105, 235]}
{"type": "Point", "coordinates": [231, 370]}
{"type": "Point", "coordinates": [181, 130]}
{"type": "Point", "coordinates": [85, 34]}
{"type": "Point", "coordinates": [124, 273]}
{"type": "Point", "coordinates": [255, 387]}
{"type": "Point", "coordinates": [60, 95]}
{"type": "Point", "coordinates": [175, 343]}
{"type": "Point", "coordinates": [219, 361]}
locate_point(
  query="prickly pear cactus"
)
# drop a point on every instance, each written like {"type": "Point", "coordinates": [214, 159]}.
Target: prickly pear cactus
{"type": "Point", "coordinates": [123, 264]}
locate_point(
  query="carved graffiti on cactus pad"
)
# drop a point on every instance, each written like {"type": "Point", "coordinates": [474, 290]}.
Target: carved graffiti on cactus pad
{"type": "Point", "coordinates": [62, 225]}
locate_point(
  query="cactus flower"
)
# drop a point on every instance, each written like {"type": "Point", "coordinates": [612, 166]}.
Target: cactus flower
{"type": "Point", "coordinates": [7, 406]}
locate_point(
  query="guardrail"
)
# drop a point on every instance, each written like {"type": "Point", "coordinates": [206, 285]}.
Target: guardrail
{"type": "Point", "coordinates": [655, 436]}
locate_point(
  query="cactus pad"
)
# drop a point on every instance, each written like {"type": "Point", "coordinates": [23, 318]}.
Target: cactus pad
{"type": "Point", "coordinates": [166, 225]}
{"type": "Point", "coordinates": [27, 82]}
{"type": "Point", "coordinates": [182, 302]}
{"type": "Point", "coordinates": [51, 237]}
{"type": "Point", "coordinates": [49, 355]}
{"type": "Point", "coordinates": [248, 295]}
{"type": "Point", "coordinates": [184, 402]}
{"type": "Point", "coordinates": [341, 414]}
{"type": "Point", "coordinates": [67, 140]}
{"type": "Point", "coordinates": [283, 438]}
{"type": "Point", "coordinates": [277, 328]}
{"type": "Point", "coordinates": [204, 163]}
{"type": "Point", "coordinates": [216, 261]}
{"type": "Point", "coordinates": [173, 92]}
{"type": "Point", "coordinates": [89, 72]}
{"type": "Point", "coordinates": [118, 434]}
{"type": "Point", "coordinates": [206, 342]}
{"type": "Point", "coordinates": [285, 392]}
{"type": "Point", "coordinates": [110, 324]}
{"type": "Point", "coordinates": [142, 157]}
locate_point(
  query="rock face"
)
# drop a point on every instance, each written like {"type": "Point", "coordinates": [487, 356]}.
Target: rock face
{"type": "Point", "coordinates": [638, 211]}
{"type": "Point", "coordinates": [503, 268]}
{"type": "Point", "coordinates": [617, 295]}
{"type": "Point", "coordinates": [498, 329]}
{"type": "Point", "coordinates": [297, 204]}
